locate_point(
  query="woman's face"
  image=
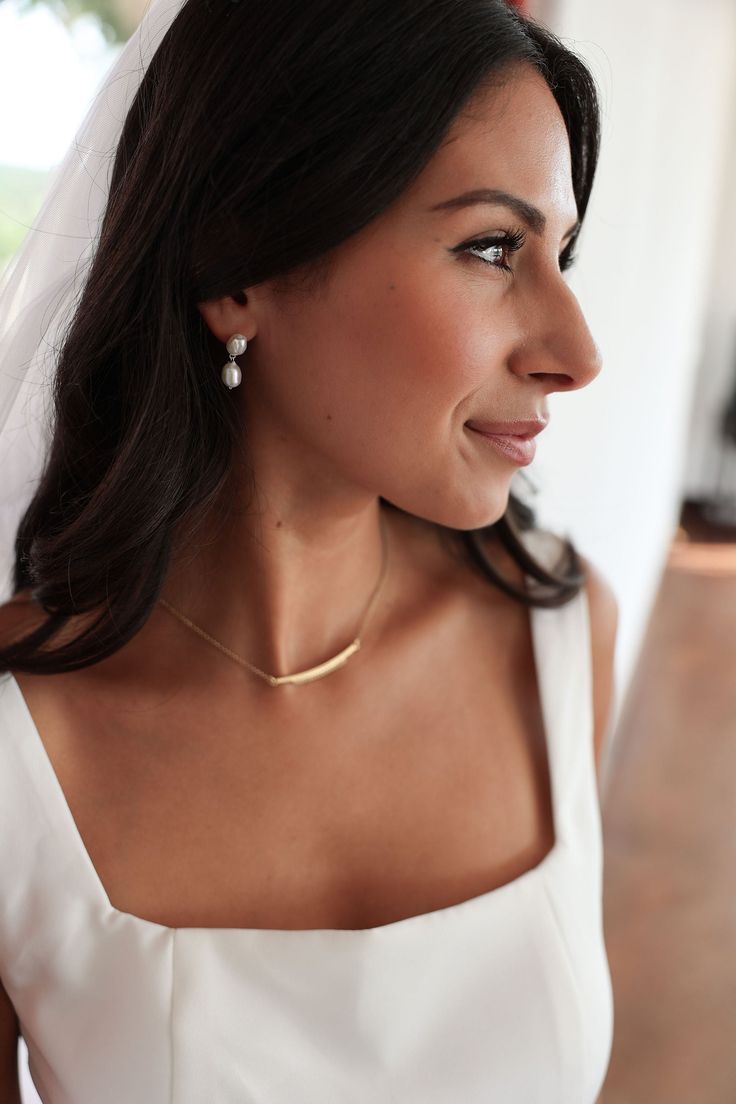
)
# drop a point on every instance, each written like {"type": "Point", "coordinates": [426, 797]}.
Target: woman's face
{"type": "Point", "coordinates": [420, 328]}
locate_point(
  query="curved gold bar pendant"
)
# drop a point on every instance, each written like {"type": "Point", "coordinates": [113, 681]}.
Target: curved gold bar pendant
{"type": "Point", "coordinates": [320, 670]}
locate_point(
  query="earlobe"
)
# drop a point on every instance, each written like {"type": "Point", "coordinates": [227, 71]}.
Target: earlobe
{"type": "Point", "coordinates": [232, 314]}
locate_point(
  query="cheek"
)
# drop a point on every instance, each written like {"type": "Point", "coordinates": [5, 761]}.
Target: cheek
{"type": "Point", "coordinates": [383, 372]}
{"type": "Point", "coordinates": [379, 380]}
{"type": "Point", "coordinates": [423, 342]}
{"type": "Point", "coordinates": [448, 347]}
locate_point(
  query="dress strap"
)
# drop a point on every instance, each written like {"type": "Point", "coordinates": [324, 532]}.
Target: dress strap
{"type": "Point", "coordinates": [41, 868]}
{"type": "Point", "coordinates": [563, 654]}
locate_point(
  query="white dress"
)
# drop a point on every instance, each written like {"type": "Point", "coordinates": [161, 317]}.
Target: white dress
{"type": "Point", "coordinates": [504, 998]}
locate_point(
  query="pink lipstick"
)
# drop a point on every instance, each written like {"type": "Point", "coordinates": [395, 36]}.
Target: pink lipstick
{"type": "Point", "coordinates": [513, 440]}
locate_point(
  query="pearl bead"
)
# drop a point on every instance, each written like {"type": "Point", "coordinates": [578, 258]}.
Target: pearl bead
{"type": "Point", "coordinates": [237, 345]}
{"type": "Point", "coordinates": [231, 375]}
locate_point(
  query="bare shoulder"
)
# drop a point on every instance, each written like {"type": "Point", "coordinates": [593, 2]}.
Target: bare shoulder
{"type": "Point", "coordinates": [13, 622]}
{"type": "Point", "coordinates": [18, 616]}
{"type": "Point", "coordinates": [21, 614]}
{"type": "Point", "coordinates": [603, 607]}
{"type": "Point", "coordinates": [548, 547]}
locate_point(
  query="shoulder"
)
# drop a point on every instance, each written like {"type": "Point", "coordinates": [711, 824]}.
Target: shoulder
{"type": "Point", "coordinates": [548, 546]}
{"type": "Point", "coordinates": [603, 609]}
{"type": "Point", "coordinates": [21, 614]}
{"type": "Point", "coordinates": [17, 616]}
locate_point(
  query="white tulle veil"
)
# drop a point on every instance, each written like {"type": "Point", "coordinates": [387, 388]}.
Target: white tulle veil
{"type": "Point", "coordinates": [41, 285]}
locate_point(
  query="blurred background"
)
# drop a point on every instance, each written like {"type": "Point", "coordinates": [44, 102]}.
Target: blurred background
{"type": "Point", "coordinates": [639, 469]}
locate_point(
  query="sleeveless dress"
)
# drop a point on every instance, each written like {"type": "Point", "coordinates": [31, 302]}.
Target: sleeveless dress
{"type": "Point", "coordinates": [504, 998]}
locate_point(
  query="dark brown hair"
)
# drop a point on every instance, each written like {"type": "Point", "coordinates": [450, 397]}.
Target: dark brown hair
{"type": "Point", "coordinates": [261, 137]}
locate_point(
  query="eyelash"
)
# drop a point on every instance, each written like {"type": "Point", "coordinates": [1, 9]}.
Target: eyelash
{"type": "Point", "coordinates": [511, 241]}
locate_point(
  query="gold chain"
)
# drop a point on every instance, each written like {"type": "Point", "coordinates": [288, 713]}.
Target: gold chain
{"type": "Point", "coordinates": [312, 673]}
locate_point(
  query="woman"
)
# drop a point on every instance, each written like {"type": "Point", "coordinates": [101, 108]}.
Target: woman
{"type": "Point", "coordinates": [316, 339]}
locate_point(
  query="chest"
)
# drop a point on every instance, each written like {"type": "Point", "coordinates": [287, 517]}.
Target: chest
{"type": "Point", "coordinates": [423, 784]}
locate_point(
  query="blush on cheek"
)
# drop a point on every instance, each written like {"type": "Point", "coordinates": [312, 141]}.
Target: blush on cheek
{"type": "Point", "coordinates": [450, 347]}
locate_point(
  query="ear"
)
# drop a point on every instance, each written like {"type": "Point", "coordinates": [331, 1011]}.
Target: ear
{"type": "Point", "coordinates": [230, 315]}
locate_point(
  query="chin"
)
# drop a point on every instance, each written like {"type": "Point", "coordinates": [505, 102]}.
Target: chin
{"type": "Point", "coordinates": [459, 511]}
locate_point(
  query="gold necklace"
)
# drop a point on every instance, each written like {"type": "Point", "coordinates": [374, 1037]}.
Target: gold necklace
{"type": "Point", "coordinates": [312, 673]}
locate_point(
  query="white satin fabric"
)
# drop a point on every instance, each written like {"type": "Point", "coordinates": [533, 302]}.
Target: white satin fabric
{"type": "Point", "coordinates": [504, 998]}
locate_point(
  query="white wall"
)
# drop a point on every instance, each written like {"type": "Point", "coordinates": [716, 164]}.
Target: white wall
{"type": "Point", "coordinates": [715, 377]}
{"type": "Point", "coordinates": [612, 460]}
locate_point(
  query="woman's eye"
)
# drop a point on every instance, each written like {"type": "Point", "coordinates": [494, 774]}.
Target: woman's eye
{"type": "Point", "coordinates": [496, 251]}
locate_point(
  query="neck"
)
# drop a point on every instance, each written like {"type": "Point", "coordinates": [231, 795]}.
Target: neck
{"type": "Point", "coordinates": [285, 590]}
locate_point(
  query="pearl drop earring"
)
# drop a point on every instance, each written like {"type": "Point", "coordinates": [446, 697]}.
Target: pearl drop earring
{"type": "Point", "coordinates": [231, 374]}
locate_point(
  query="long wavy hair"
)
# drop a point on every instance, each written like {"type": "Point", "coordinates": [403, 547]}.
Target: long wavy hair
{"type": "Point", "coordinates": [262, 136]}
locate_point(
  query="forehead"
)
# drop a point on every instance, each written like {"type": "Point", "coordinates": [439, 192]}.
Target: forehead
{"type": "Point", "coordinates": [510, 137]}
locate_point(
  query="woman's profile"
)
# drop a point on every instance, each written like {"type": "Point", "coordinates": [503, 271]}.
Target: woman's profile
{"type": "Point", "coordinates": [300, 711]}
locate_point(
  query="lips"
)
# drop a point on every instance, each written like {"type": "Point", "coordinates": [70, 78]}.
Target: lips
{"type": "Point", "coordinates": [514, 440]}
{"type": "Point", "coordinates": [526, 428]}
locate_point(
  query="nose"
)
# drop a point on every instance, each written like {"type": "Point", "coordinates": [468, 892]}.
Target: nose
{"type": "Point", "coordinates": [558, 347]}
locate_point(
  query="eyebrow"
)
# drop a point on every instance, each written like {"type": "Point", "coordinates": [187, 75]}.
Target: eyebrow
{"type": "Point", "coordinates": [526, 211]}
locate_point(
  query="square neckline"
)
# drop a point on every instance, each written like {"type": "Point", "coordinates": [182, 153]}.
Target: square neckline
{"type": "Point", "coordinates": [49, 788]}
